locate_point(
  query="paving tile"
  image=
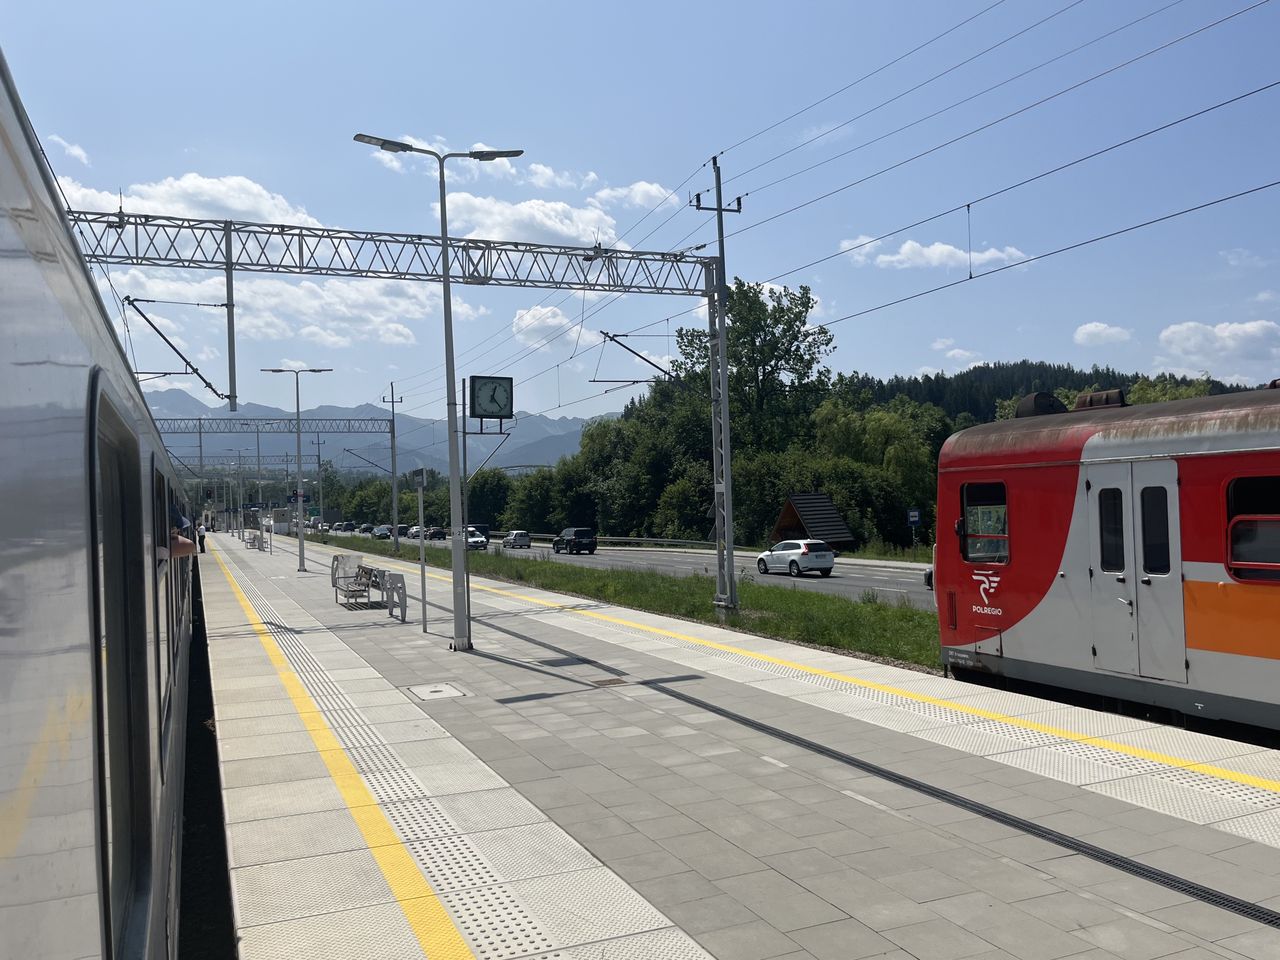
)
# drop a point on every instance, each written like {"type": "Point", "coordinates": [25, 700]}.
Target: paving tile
{"type": "Point", "coordinates": [1134, 940]}
{"type": "Point", "coordinates": [808, 862]}
{"type": "Point", "coordinates": [922, 886]}
{"type": "Point", "coordinates": [750, 941]}
{"type": "Point", "coordinates": [937, 939]}
{"type": "Point", "coordinates": [1027, 938]}
{"type": "Point", "coordinates": [677, 888]}
{"type": "Point", "coordinates": [841, 940]}
{"type": "Point", "coordinates": [712, 856]}
{"type": "Point", "coordinates": [709, 913]}
{"type": "Point", "coordinates": [1258, 945]}
{"type": "Point", "coordinates": [1207, 921]}
{"type": "Point", "coordinates": [1067, 910]}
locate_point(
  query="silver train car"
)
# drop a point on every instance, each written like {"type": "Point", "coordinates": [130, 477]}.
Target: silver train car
{"type": "Point", "coordinates": [95, 618]}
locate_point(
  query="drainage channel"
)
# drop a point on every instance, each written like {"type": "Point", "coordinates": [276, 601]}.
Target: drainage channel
{"type": "Point", "coordinates": [1217, 898]}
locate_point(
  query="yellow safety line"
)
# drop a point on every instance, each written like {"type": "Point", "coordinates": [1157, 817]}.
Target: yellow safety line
{"type": "Point", "coordinates": [1210, 770]}
{"type": "Point", "coordinates": [437, 934]}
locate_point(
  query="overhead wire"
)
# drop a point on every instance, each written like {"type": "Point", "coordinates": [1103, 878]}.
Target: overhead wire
{"type": "Point", "coordinates": [958, 103]}
{"type": "Point", "coordinates": [1005, 117]}
{"type": "Point", "coordinates": [866, 76]}
{"type": "Point", "coordinates": [910, 90]}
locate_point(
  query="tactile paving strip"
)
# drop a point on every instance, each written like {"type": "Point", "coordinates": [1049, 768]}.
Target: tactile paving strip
{"type": "Point", "coordinates": [489, 810]}
{"type": "Point", "coordinates": [669, 944]}
{"type": "Point", "coordinates": [452, 863]}
{"type": "Point", "coordinates": [496, 923]}
{"type": "Point", "coordinates": [532, 850]}
{"type": "Point", "coordinates": [587, 905]}
{"type": "Point", "coordinates": [1164, 796]}
{"type": "Point", "coordinates": [418, 819]}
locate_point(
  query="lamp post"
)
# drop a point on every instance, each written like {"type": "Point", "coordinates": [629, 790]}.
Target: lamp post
{"type": "Point", "coordinates": [297, 399]}
{"type": "Point", "coordinates": [461, 620]}
{"type": "Point", "coordinates": [239, 452]}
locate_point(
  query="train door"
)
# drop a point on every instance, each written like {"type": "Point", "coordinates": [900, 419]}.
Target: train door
{"type": "Point", "coordinates": [1162, 647]}
{"type": "Point", "coordinates": [1111, 567]}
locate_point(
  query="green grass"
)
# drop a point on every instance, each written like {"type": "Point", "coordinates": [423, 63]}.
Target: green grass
{"type": "Point", "coordinates": [897, 631]}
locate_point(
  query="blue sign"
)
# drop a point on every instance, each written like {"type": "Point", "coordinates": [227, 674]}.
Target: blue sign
{"type": "Point", "coordinates": [293, 498]}
{"type": "Point", "coordinates": [913, 517]}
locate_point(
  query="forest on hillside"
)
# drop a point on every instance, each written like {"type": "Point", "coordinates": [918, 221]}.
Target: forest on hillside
{"type": "Point", "coordinates": [870, 444]}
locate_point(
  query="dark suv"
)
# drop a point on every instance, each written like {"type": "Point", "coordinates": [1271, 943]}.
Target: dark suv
{"type": "Point", "coordinates": [575, 540]}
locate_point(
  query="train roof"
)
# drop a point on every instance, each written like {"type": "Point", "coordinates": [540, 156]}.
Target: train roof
{"type": "Point", "coordinates": [1246, 420]}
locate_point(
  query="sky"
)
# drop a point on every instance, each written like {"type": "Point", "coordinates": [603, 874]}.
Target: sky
{"type": "Point", "coordinates": [838, 124]}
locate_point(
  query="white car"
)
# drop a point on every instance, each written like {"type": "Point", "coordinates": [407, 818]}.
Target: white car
{"type": "Point", "coordinates": [797, 557]}
{"type": "Point", "coordinates": [517, 538]}
{"type": "Point", "coordinates": [476, 540]}
{"type": "Point", "coordinates": [415, 533]}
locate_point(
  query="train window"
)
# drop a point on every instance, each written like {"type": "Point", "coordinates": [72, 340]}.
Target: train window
{"type": "Point", "coordinates": [121, 681]}
{"type": "Point", "coordinates": [1253, 533]}
{"type": "Point", "coordinates": [1111, 528]}
{"type": "Point", "coordinates": [986, 523]}
{"type": "Point", "coordinates": [1155, 530]}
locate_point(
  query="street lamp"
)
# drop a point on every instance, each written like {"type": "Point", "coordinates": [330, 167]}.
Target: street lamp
{"type": "Point", "coordinates": [461, 621]}
{"type": "Point", "coordinates": [297, 399]}
{"type": "Point", "coordinates": [239, 452]}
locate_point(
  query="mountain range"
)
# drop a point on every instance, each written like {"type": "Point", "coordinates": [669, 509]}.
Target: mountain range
{"type": "Point", "coordinates": [534, 440]}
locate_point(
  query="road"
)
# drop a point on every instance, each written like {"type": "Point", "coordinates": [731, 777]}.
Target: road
{"type": "Point", "coordinates": [851, 578]}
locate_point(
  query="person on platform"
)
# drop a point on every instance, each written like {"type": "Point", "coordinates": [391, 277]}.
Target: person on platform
{"type": "Point", "coordinates": [200, 532]}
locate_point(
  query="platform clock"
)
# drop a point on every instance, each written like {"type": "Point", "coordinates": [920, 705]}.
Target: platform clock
{"type": "Point", "coordinates": [492, 398]}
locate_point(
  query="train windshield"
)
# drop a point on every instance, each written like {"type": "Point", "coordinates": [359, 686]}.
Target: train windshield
{"type": "Point", "coordinates": [986, 523]}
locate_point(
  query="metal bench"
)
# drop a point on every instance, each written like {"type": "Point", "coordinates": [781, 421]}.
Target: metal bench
{"type": "Point", "coordinates": [357, 586]}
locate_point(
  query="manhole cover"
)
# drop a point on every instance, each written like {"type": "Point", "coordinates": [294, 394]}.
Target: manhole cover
{"type": "Point", "coordinates": [611, 682]}
{"type": "Point", "coordinates": [436, 691]}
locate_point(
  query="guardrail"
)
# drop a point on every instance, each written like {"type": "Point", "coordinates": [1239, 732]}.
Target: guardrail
{"type": "Point", "coordinates": [634, 541]}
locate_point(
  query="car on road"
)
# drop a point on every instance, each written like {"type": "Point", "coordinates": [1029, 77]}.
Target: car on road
{"type": "Point", "coordinates": [517, 538]}
{"type": "Point", "coordinates": [476, 540]}
{"type": "Point", "coordinates": [797, 557]}
{"type": "Point", "coordinates": [366, 528]}
{"type": "Point", "coordinates": [575, 540]}
{"type": "Point", "coordinates": [401, 530]}
{"type": "Point", "coordinates": [436, 533]}
{"type": "Point", "coordinates": [382, 532]}
{"type": "Point", "coordinates": [349, 527]}
{"type": "Point", "coordinates": [415, 532]}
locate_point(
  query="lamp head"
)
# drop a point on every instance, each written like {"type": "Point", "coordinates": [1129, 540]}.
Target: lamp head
{"type": "Point", "coordinates": [391, 146]}
{"type": "Point", "coordinates": [494, 154]}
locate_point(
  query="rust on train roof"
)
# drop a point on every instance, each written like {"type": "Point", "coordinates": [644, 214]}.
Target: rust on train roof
{"type": "Point", "coordinates": [1252, 412]}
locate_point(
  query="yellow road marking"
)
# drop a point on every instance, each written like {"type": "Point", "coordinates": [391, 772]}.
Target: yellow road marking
{"type": "Point", "coordinates": [437, 934]}
{"type": "Point", "coordinates": [1208, 769]}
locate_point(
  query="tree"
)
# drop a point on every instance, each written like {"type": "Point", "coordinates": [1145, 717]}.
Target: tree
{"type": "Point", "coordinates": [776, 374]}
{"type": "Point", "coordinates": [1165, 386]}
{"type": "Point", "coordinates": [529, 502]}
{"type": "Point", "coordinates": [487, 496]}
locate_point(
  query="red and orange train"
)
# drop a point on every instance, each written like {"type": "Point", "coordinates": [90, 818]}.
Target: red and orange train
{"type": "Point", "coordinates": [1128, 551]}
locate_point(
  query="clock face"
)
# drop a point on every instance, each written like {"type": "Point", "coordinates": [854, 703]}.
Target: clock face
{"type": "Point", "coordinates": [491, 398]}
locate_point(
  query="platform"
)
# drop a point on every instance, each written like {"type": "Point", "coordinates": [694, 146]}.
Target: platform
{"type": "Point", "coordinates": [593, 782]}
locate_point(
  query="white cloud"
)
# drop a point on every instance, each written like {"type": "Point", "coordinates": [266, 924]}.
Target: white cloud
{"type": "Point", "coordinates": [544, 177]}
{"type": "Point", "coordinates": [1096, 334]}
{"type": "Point", "coordinates": [928, 371]}
{"type": "Point", "coordinates": [860, 248]}
{"type": "Point", "coordinates": [960, 355]}
{"type": "Point", "coordinates": [72, 150]}
{"type": "Point", "coordinates": [532, 326]}
{"type": "Point", "coordinates": [535, 221]}
{"type": "Point", "coordinates": [293, 364]}
{"type": "Point", "coordinates": [333, 312]}
{"type": "Point", "coordinates": [1239, 257]}
{"type": "Point", "coordinates": [193, 195]}
{"type": "Point", "coordinates": [1244, 352]}
{"type": "Point", "coordinates": [913, 254]}
{"type": "Point", "coordinates": [642, 193]}
{"type": "Point", "coordinates": [1266, 296]}
{"type": "Point", "coordinates": [942, 343]}
{"type": "Point", "coordinates": [326, 338]}
{"type": "Point", "coordinates": [208, 353]}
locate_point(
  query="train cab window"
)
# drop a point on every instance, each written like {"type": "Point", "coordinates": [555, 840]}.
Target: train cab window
{"type": "Point", "coordinates": [1155, 530]}
{"type": "Point", "coordinates": [985, 530]}
{"type": "Point", "coordinates": [1253, 528]}
{"type": "Point", "coordinates": [1111, 529]}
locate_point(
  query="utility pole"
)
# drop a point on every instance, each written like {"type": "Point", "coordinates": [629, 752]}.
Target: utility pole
{"type": "Point", "coordinates": [318, 443]}
{"type": "Point", "coordinates": [722, 470]}
{"type": "Point", "coordinates": [395, 474]}
{"type": "Point", "coordinates": [257, 439]}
